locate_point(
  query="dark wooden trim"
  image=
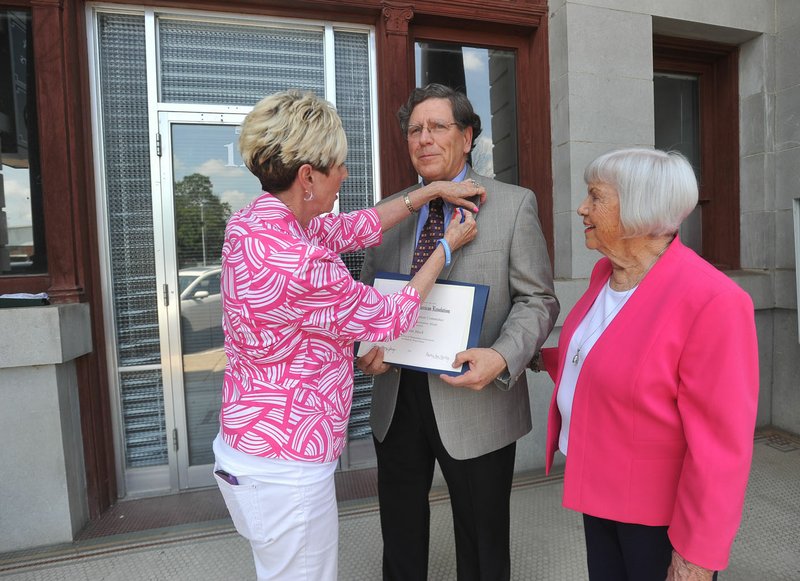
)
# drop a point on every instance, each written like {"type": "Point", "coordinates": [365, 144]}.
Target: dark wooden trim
{"type": "Point", "coordinates": [717, 68]}
{"type": "Point", "coordinates": [528, 14]}
{"type": "Point", "coordinates": [394, 53]}
{"type": "Point", "coordinates": [70, 221]}
{"type": "Point", "coordinates": [490, 36]}
{"type": "Point", "coordinates": [357, 12]}
{"type": "Point", "coordinates": [511, 14]}
{"type": "Point", "coordinates": [50, 53]}
{"type": "Point", "coordinates": [97, 427]}
{"type": "Point", "coordinates": [32, 283]}
{"type": "Point", "coordinates": [536, 150]}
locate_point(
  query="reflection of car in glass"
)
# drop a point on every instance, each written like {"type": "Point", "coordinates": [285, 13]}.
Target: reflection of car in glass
{"type": "Point", "coordinates": [201, 310]}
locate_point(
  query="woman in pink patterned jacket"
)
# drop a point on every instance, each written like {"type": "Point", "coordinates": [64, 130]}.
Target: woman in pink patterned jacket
{"type": "Point", "coordinates": [291, 313]}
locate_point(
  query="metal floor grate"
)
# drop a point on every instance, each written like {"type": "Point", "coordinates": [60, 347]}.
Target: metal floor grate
{"type": "Point", "coordinates": [782, 443]}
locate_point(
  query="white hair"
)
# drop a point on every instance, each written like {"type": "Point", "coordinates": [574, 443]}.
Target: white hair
{"type": "Point", "coordinates": [657, 189]}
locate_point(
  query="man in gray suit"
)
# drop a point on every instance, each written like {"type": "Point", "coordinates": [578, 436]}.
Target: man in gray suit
{"type": "Point", "coordinates": [470, 423]}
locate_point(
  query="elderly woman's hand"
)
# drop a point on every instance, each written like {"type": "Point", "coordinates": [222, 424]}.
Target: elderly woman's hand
{"type": "Point", "coordinates": [682, 570]}
{"type": "Point", "coordinates": [462, 229]}
{"type": "Point", "coordinates": [458, 193]}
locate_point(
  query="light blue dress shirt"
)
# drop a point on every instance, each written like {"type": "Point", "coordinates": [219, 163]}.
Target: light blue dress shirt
{"type": "Point", "coordinates": [447, 208]}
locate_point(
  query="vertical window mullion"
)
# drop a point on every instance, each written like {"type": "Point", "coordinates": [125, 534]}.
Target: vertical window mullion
{"type": "Point", "coordinates": [373, 97]}
{"type": "Point", "coordinates": [330, 65]}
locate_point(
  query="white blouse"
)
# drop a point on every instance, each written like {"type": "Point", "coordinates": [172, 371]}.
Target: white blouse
{"type": "Point", "coordinates": [604, 309]}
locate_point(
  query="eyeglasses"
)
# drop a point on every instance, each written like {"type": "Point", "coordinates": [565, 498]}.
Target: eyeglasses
{"type": "Point", "coordinates": [434, 128]}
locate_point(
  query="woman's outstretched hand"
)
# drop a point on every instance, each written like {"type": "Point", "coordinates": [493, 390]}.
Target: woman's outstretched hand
{"type": "Point", "coordinates": [458, 193]}
{"type": "Point", "coordinates": [462, 229]}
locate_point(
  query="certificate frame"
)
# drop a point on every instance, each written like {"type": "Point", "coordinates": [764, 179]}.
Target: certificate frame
{"type": "Point", "coordinates": [480, 299]}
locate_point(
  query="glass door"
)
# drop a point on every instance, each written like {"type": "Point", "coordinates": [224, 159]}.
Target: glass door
{"type": "Point", "coordinates": [160, 202]}
{"type": "Point", "coordinates": [203, 181]}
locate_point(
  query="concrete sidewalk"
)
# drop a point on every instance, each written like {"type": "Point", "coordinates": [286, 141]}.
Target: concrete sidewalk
{"type": "Point", "coordinates": [547, 540]}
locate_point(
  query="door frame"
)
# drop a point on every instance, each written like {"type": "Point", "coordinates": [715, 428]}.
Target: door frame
{"type": "Point", "coordinates": [182, 475]}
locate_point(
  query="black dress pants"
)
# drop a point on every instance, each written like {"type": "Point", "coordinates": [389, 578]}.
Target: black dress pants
{"type": "Point", "coordinates": [617, 551]}
{"type": "Point", "coordinates": [480, 492]}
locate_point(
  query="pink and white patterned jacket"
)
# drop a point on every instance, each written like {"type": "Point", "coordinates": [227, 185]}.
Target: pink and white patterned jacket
{"type": "Point", "coordinates": [291, 312]}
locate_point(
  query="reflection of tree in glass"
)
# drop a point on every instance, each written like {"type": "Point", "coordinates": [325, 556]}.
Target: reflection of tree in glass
{"type": "Point", "coordinates": [482, 158]}
{"type": "Point", "coordinates": [200, 219]}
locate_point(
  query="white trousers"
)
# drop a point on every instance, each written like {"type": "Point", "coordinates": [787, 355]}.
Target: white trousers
{"type": "Point", "coordinates": [291, 522]}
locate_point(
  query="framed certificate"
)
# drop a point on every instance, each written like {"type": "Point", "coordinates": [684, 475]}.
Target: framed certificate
{"type": "Point", "coordinates": [450, 320]}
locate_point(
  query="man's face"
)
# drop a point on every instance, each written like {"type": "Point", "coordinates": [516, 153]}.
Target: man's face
{"type": "Point", "coordinates": [442, 154]}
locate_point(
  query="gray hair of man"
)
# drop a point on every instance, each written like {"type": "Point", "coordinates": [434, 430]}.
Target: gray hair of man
{"type": "Point", "coordinates": [463, 113]}
{"type": "Point", "coordinates": [286, 130]}
{"type": "Point", "coordinates": [657, 189]}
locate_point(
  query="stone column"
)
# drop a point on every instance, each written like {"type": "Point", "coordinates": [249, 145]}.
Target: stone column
{"type": "Point", "coordinates": [43, 489]}
{"type": "Point", "coordinates": [601, 88]}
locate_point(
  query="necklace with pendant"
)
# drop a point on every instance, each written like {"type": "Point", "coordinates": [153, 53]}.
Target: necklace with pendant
{"type": "Point", "coordinates": [577, 357]}
{"type": "Point", "coordinates": [585, 337]}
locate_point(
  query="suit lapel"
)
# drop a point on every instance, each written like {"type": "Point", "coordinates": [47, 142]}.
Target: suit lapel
{"type": "Point", "coordinates": [457, 253]}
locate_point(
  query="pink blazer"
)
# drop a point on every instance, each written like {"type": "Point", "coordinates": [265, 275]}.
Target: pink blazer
{"type": "Point", "coordinates": [662, 421]}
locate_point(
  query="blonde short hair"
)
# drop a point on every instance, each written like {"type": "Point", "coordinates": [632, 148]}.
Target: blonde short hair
{"type": "Point", "coordinates": [286, 130]}
{"type": "Point", "coordinates": [657, 189]}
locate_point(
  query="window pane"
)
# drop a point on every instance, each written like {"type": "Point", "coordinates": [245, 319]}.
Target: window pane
{"type": "Point", "coordinates": [677, 117]}
{"type": "Point", "coordinates": [22, 243]}
{"type": "Point", "coordinates": [123, 81]}
{"type": "Point", "coordinates": [142, 396]}
{"type": "Point", "coordinates": [358, 190]}
{"type": "Point", "coordinates": [488, 77]}
{"type": "Point", "coordinates": [210, 182]}
{"type": "Point", "coordinates": [203, 62]}
{"type": "Point", "coordinates": [677, 128]}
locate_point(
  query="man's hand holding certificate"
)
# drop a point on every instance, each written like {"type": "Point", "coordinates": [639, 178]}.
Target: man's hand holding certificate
{"type": "Point", "coordinates": [449, 322]}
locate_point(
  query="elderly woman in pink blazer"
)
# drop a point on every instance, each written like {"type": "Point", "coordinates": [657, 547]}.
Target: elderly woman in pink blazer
{"type": "Point", "coordinates": [656, 377]}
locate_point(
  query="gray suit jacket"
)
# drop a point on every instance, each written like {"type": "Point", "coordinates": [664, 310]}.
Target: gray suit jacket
{"type": "Point", "coordinates": [510, 256]}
